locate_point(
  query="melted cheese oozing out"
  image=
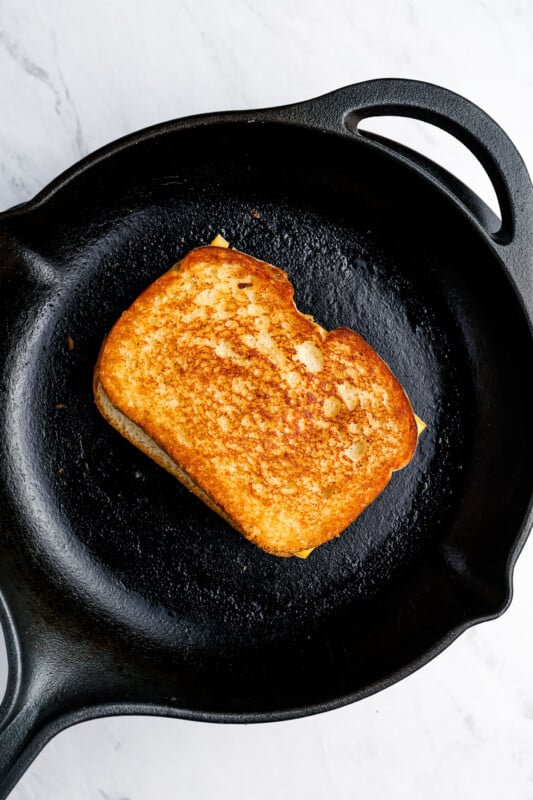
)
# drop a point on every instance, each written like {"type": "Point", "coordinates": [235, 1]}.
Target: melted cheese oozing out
{"type": "Point", "coordinates": [421, 426]}
{"type": "Point", "coordinates": [305, 553]}
{"type": "Point", "coordinates": [219, 241]}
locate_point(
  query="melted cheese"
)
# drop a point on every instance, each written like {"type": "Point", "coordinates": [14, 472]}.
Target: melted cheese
{"type": "Point", "coordinates": [305, 553]}
{"type": "Point", "coordinates": [420, 425]}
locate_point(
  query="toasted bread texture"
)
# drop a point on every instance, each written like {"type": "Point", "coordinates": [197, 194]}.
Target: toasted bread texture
{"type": "Point", "coordinates": [286, 430]}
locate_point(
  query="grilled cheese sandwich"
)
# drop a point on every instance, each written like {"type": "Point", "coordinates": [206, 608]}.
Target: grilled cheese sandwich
{"type": "Point", "coordinates": [286, 430]}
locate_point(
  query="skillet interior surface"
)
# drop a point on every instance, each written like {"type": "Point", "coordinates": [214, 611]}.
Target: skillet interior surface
{"type": "Point", "coordinates": [368, 245]}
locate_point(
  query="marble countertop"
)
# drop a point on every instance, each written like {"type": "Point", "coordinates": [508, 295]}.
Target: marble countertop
{"type": "Point", "coordinates": [77, 75]}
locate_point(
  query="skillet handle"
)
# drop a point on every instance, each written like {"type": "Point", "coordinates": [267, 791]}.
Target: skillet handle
{"type": "Point", "coordinates": [342, 110]}
{"type": "Point", "coordinates": [34, 686]}
{"type": "Point", "coordinates": [17, 715]}
{"type": "Point", "coordinates": [16, 737]}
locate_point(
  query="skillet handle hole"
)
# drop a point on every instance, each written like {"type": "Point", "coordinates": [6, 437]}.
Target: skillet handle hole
{"type": "Point", "coordinates": [3, 665]}
{"type": "Point", "coordinates": [441, 147]}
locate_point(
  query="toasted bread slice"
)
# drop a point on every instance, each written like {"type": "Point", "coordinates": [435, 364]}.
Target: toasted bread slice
{"type": "Point", "coordinates": [286, 430]}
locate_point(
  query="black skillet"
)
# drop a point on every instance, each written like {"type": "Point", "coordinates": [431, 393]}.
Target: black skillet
{"type": "Point", "coordinates": [121, 592]}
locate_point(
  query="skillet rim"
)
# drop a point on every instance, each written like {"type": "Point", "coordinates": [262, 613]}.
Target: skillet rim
{"type": "Point", "coordinates": [269, 115]}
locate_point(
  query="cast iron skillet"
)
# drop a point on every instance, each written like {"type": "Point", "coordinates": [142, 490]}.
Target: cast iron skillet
{"type": "Point", "coordinates": [121, 592]}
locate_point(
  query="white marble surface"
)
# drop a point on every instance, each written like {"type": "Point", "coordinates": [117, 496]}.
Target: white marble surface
{"type": "Point", "coordinates": [76, 75]}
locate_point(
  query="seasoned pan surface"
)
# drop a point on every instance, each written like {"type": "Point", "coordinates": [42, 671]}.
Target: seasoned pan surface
{"type": "Point", "coordinates": [116, 552]}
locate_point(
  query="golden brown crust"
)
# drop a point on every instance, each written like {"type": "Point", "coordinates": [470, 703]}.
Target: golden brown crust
{"type": "Point", "coordinates": [138, 437]}
{"type": "Point", "coordinates": [288, 430]}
